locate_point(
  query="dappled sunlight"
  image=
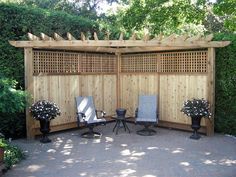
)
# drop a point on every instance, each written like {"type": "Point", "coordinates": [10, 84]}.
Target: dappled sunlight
{"type": "Point", "coordinates": [124, 145]}
{"type": "Point", "coordinates": [227, 162]}
{"type": "Point", "coordinates": [210, 162]}
{"type": "Point", "coordinates": [138, 154]}
{"type": "Point", "coordinates": [152, 148]}
{"type": "Point", "coordinates": [127, 172]}
{"type": "Point", "coordinates": [126, 152]}
{"type": "Point", "coordinates": [51, 150]}
{"type": "Point", "coordinates": [67, 147]}
{"type": "Point", "coordinates": [126, 155]}
{"type": "Point", "coordinates": [207, 153]}
{"type": "Point", "coordinates": [134, 158]}
{"type": "Point", "coordinates": [96, 141]}
{"type": "Point", "coordinates": [83, 174]}
{"type": "Point", "coordinates": [177, 151]}
{"type": "Point", "coordinates": [126, 162]}
{"type": "Point", "coordinates": [186, 164]}
{"type": "Point", "coordinates": [84, 142]}
{"type": "Point", "coordinates": [34, 168]}
{"type": "Point", "coordinates": [108, 146]}
{"type": "Point", "coordinates": [121, 161]}
{"type": "Point", "coordinates": [108, 139]}
{"type": "Point", "coordinates": [69, 161]}
{"type": "Point", "coordinates": [58, 142]}
{"type": "Point", "coordinates": [132, 155]}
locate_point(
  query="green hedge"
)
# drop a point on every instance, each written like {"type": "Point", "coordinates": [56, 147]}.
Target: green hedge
{"type": "Point", "coordinates": [225, 118]}
{"type": "Point", "coordinates": [16, 21]}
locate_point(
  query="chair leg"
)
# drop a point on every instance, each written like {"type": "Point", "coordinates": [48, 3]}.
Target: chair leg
{"type": "Point", "coordinates": [91, 134]}
{"type": "Point", "coordinates": [146, 131]}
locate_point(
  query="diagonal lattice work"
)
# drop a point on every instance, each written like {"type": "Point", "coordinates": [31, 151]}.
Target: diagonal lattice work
{"type": "Point", "coordinates": [182, 62]}
{"type": "Point", "coordinates": [54, 62]}
{"type": "Point", "coordinates": [139, 63]}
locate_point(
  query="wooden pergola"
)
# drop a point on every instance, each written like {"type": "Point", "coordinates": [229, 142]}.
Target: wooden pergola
{"type": "Point", "coordinates": [115, 72]}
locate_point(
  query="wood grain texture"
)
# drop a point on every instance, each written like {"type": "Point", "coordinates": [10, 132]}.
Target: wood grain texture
{"type": "Point", "coordinates": [174, 90]}
{"type": "Point", "coordinates": [132, 86]}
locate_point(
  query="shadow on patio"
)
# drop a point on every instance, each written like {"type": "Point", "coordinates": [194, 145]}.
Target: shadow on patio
{"type": "Point", "coordinates": [169, 153]}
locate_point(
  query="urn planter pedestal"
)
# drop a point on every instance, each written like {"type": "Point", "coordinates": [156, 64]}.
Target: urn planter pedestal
{"type": "Point", "coordinates": [45, 129]}
{"type": "Point", "coordinates": [196, 125]}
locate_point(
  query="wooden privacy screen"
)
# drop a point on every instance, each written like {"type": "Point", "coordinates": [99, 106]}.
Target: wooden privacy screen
{"type": "Point", "coordinates": [173, 76]}
{"type": "Point", "coordinates": [191, 61]}
{"type": "Point", "coordinates": [54, 62]}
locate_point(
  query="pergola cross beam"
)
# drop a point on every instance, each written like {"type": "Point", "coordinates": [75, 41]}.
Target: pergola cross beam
{"type": "Point", "coordinates": [121, 45]}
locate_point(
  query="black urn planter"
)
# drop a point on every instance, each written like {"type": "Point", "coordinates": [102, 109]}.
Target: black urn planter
{"type": "Point", "coordinates": [45, 129]}
{"type": "Point", "coordinates": [196, 125]}
{"type": "Point", "coordinates": [120, 112]}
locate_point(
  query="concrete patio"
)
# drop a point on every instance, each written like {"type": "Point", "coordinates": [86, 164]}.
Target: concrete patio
{"type": "Point", "coordinates": [169, 153]}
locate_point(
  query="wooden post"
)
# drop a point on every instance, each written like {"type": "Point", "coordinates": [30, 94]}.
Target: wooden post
{"type": "Point", "coordinates": [118, 80]}
{"type": "Point", "coordinates": [211, 90]}
{"type": "Point", "coordinates": [29, 87]}
{"type": "Point", "coordinates": [159, 84]}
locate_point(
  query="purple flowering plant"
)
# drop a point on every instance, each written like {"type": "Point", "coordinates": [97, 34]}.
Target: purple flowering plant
{"type": "Point", "coordinates": [43, 109]}
{"type": "Point", "coordinates": [196, 107]}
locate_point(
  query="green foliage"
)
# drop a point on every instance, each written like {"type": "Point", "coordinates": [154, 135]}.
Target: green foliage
{"type": "Point", "coordinates": [13, 101]}
{"type": "Point", "coordinates": [13, 125]}
{"type": "Point", "coordinates": [3, 143]}
{"type": "Point", "coordinates": [16, 21]}
{"type": "Point", "coordinates": [225, 118]}
{"type": "Point", "coordinates": [86, 8]}
{"type": "Point", "coordinates": [177, 16]}
{"type": "Point", "coordinates": [12, 155]}
{"type": "Point", "coordinates": [226, 8]}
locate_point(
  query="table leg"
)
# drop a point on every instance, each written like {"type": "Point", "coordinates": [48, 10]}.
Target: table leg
{"type": "Point", "coordinates": [118, 126]}
{"type": "Point", "coordinates": [126, 126]}
{"type": "Point", "coordinates": [115, 126]}
{"type": "Point", "coordinates": [123, 122]}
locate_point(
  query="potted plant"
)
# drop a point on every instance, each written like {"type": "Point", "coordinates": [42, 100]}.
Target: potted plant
{"type": "Point", "coordinates": [196, 109]}
{"type": "Point", "coordinates": [44, 111]}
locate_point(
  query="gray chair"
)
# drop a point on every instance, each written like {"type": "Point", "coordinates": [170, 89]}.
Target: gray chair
{"type": "Point", "coordinates": [146, 114]}
{"type": "Point", "coordinates": [87, 115]}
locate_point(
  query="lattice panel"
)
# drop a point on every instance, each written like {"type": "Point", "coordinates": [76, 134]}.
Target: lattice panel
{"type": "Point", "coordinates": [139, 63]}
{"type": "Point", "coordinates": [51, 62]}
{"type": "Point", "coordinates": [98, 63]}
{"type": "Point", "coordinates": [191, 61]}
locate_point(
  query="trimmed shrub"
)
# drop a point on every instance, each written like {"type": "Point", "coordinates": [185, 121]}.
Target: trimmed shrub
{"type": "Point", "coordinates": [225, 117]}
{"type": "Point", "coordinates": [16, 21]}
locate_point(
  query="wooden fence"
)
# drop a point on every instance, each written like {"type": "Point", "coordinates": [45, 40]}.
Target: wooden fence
{"type": "Point", "coordinates": [117, 80]}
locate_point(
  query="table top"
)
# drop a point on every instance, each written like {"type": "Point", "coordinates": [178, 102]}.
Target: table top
{"type": "Point", "coordinates": [120, 118]}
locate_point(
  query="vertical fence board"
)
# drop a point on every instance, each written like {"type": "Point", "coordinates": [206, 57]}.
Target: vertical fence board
{"type": "Point", "coordinates": [174, 90]}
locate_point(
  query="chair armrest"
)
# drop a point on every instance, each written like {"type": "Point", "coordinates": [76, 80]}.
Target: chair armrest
{"type": "Point", "coordinates": [102, 113]}
{"type": "Point", "coordinates": [80, 114]}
